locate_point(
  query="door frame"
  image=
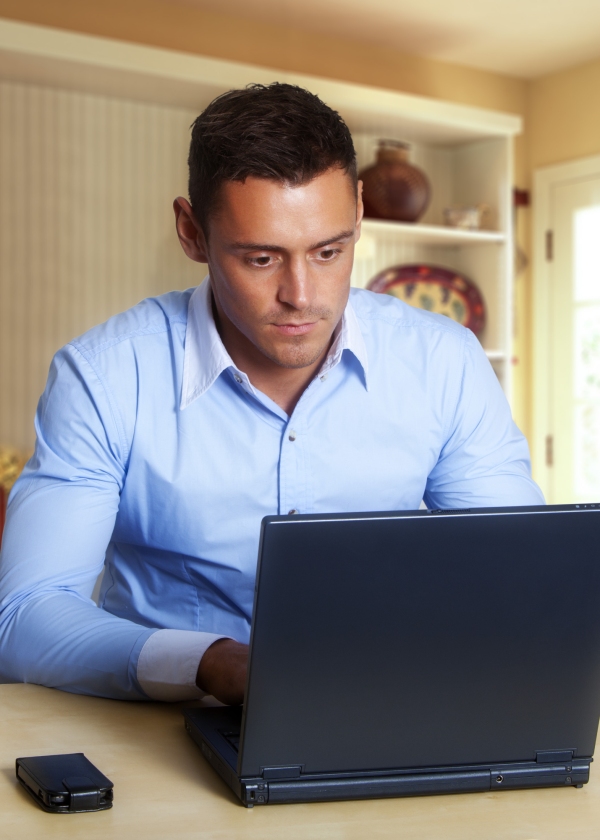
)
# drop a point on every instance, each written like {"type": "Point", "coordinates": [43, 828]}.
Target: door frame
{"type": "Point", "coordinates": [544, 179]}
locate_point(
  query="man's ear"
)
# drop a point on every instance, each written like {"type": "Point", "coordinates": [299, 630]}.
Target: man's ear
{"type": "Point", "coordinates": [189, 231]}
{"type": "Point", "coordinates": [359, 209]}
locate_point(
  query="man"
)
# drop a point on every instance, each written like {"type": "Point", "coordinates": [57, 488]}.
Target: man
{"type": "Point", "coordinates": [166, 434]}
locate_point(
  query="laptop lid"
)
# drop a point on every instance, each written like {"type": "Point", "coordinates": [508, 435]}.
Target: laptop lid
{"type": "Point", "coordinates": [423, 639]}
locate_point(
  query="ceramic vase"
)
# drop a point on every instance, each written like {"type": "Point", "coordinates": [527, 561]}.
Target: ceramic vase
{"type": "Point", "coordinates": [393, 187]}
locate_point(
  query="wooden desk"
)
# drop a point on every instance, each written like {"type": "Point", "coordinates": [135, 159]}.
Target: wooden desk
{"type": "Point", "coordinates": [164, 788]}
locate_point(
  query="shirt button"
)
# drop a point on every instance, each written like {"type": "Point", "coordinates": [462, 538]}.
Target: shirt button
{"type": "Point", "coordinates": [323, 378]}
{"type": "Point", "coordinates": [292, 512]}
{"type": "Point", "coordinates": [238, 379]}
{"type": "Point", "coordinates": [292, 435]}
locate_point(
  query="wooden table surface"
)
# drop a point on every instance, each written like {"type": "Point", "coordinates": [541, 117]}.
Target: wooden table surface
{"type": "Point", "coordinates": [165, 789]}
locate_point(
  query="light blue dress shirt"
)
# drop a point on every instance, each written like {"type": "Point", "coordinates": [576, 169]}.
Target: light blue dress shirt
{"type": "Point", "coordinates": [151, 442]}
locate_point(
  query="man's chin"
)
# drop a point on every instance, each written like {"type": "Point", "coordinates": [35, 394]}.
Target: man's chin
{"type": "Point", "coordinates": [294, 357]}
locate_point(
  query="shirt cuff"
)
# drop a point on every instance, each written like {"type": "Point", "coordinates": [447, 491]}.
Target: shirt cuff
{"type": "Point", "coordinates": [168, 664]}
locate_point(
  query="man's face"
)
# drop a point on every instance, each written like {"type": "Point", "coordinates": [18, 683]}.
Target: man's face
{"type": "Point", "coordinates": [280, 259]}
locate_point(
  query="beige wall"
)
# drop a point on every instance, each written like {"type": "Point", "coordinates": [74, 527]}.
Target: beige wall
{"type": "Point", "coordinates": [562, 119]}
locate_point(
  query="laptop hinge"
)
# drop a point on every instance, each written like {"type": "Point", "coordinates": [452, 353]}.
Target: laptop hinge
{"type": "Point", "coordinates": [289, 772]}
{"type": "Point", "coordinates": [554, 756]}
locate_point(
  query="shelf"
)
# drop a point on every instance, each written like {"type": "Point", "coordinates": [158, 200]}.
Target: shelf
{"type": "Point", "coordinates": [496, 355]}
{"type": "Point", "coordinates": [57, 58]}
{"type": "Point", "coordinates": [429, 234]}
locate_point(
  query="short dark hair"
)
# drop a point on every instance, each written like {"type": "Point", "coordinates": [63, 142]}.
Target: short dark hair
{"type": "Point", "coordinates": [278, 131]}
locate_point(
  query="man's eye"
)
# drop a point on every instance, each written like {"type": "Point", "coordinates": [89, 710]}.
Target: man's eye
{"type": "Point", "coordinates": [329, 253]}
{"type": "Point", "coordinates": [260, 261]}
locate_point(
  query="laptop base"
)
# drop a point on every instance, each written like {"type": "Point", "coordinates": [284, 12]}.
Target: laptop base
{"type": "Point", "coordinates": [216, 729]}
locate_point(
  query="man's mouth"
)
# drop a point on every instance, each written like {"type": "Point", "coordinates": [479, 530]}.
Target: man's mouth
{"type": "Point", "coordinates": [295, 329]}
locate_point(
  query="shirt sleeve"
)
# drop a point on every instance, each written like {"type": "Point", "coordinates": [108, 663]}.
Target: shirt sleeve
{"type": "Point", "coordinates": [485, 459]}
{"type": "Point", "coordinates": [168, 664]}
{"type": "Point", "coordinates": [60, 519]}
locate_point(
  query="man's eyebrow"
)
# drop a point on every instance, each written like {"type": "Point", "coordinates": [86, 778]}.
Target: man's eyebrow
{"type": "Point", "coordinates": [345, 234]}
{"type": "Point", "coordinates": [257, 246]}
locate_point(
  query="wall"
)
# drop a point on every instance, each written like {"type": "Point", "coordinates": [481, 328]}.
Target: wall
{"type": "Point", "coordinates": [84, 232]}
{"type": "Point", "coordinates": [564, 115]}
{"type": "Point", "coordinates": [175, 25]}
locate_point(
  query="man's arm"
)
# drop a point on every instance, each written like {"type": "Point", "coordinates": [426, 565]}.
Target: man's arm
{"type": "Point", "coordinates": [59, 521]}
{"type": "Point", "coordinates": [485, 460]}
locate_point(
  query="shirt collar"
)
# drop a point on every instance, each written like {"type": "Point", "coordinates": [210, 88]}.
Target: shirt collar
{"type": "Point", "coordinates": [205, 357]}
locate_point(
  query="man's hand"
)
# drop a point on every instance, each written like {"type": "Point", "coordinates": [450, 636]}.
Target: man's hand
{"type": "Point", "coordinates": [222, 671]}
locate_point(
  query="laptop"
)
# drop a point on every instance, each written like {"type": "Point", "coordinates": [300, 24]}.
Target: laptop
{"type": "Point", "coordinates": [416, 652]}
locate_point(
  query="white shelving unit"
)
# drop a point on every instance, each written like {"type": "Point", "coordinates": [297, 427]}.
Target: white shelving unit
{"type": "Point", "coordinates": [466, 152]}
{"type": "Point", "coordinates": [434, 235]}
{"type": "Point", "coordinates": [464, 170]}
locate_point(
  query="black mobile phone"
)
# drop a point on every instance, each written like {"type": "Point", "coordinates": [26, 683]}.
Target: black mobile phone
{"type": "Point", "coordinates": [65, 784]}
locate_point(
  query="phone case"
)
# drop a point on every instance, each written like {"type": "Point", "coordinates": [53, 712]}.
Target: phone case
{"type": "Point", "coordinates": [65, 784]}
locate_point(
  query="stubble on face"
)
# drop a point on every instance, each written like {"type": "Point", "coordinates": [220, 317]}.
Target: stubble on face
{"type": "Point", "coordinates": [298, 352]}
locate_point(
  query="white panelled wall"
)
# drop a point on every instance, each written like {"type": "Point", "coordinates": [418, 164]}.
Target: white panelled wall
{"type": "Point", "coordinates": [86, 226]}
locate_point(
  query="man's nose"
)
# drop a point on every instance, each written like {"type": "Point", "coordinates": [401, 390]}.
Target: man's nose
{"type": "Point", "coordinates": [296, 286]}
